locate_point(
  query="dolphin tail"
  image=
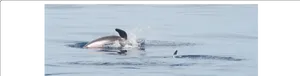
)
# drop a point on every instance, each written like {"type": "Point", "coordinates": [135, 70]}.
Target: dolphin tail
{"type": "Point", "coordinates": [122, 33]}
{"type": "Point", "coordinates": [175, 53]}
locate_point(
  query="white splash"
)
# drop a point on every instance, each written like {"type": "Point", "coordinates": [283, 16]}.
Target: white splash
{"type": "Point", "coordinates": [133, 37]}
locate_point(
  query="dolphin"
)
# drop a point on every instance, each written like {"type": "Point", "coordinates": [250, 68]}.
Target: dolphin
{"type": "Point", "coordinates": [210, 57]}
{"type": "Point", "coordinates": [108, 40]}
{"type": "Point", "coordinates": [205, 57]}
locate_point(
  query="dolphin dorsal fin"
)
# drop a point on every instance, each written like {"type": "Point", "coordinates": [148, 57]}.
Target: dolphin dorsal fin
{"type": "Point", "coordinates": [122, 33]}
{"type": "Point", "coordinates": [175, 53]}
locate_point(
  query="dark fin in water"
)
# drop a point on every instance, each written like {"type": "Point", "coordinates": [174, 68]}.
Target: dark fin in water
{"type": "Point", "coordinates": [175, 53]}
{"type": "Point", "coordinates": [122, 52]}
{"type": "Point", "coordinates": [122, 33]}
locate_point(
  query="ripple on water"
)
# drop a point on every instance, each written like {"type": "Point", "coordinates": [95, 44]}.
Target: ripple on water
{"type": "Point", "coordinates": [95, 63]}
{"type": "Point", "coordinates": [51, 74]}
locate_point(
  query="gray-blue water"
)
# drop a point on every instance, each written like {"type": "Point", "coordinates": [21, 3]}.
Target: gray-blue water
{"type": "Point", "coordinates": [213, 30]}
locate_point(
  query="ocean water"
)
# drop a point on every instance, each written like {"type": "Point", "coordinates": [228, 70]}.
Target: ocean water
{"type": "Point", "coordinates": [207, 38]}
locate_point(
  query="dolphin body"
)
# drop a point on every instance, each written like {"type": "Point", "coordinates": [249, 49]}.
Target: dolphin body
{"type": "Point", "coordinates": [191, 57]}
{"type": "Point", "coordinates": [205, 57]}
{"type": "Point", "coordinates": [108, 40]}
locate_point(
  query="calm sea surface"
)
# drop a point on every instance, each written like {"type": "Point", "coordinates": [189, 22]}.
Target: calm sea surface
{"type": "Point", "coordinates": [213, 30]}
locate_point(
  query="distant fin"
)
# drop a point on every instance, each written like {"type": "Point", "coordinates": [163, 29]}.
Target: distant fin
{"type": "Point", "coordinates": [175, 53]}
{"type": "Point", "coordinates": [122, 33]}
